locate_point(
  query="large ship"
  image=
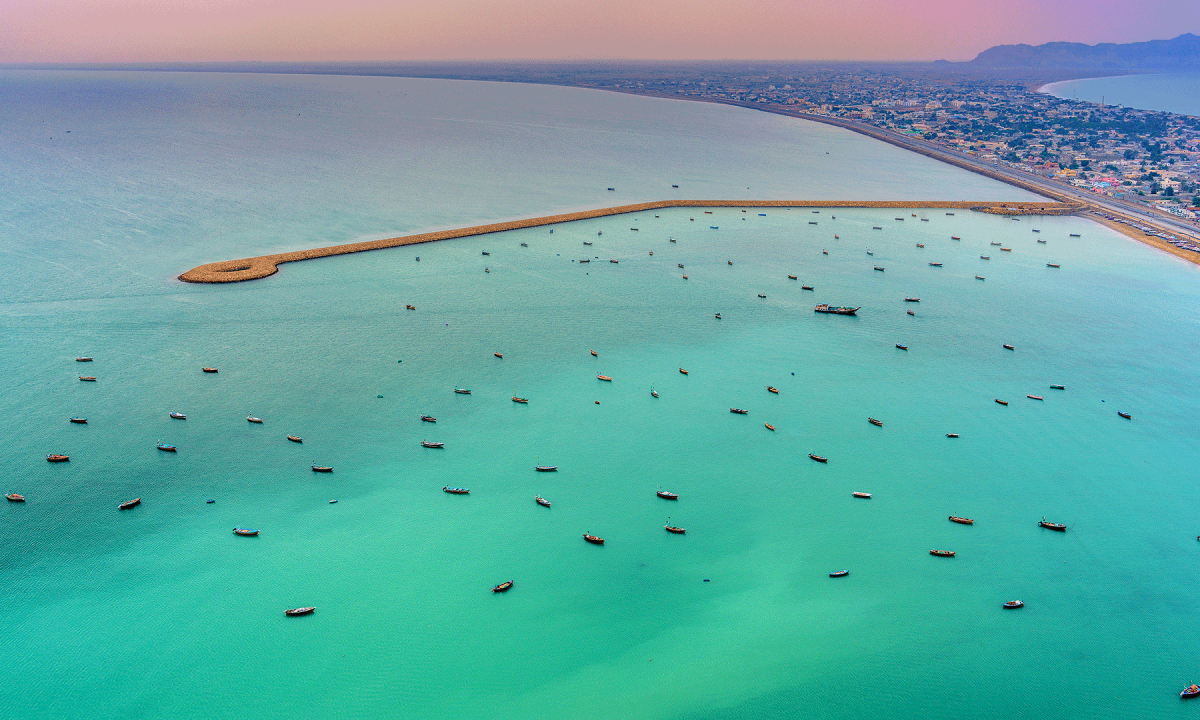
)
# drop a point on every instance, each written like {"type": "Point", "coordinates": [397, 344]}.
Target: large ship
{"type": "Point", "coordinates": [827, 308]}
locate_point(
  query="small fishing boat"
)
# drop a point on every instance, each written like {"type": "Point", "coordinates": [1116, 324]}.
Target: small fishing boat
{"type": "Point", "coordinates": [718, 316]}
{"type": "Point", "coordinates": [13, 497]}
{"type": "Point", "coordinates": [594, 353]}
{"type": "Point", "coordinates": [680, 265]}
{"type": "Point", "coordinates": [462, 391]}
{"type": "Point", "coordinates": [546, 468]}
{"type": "Point", "coordinates": [593, 539]}
{"type": "Point", "coordinates": [902, 347]}
{"type": "Point", "coordinates": [984, 257]}
{"type": "Point", "coordinates": [614, 262]}
{"type": "Point", "coordinates": [605, 378]}
{"type": "Point", "coordinates": [874, 422]}
{"type": "Point", "coordinates": [672, 239]}
{"type": "Point", "coordinates": [876, 227]}
{"type": "Point", "coordinates": [955, 237]}
{"type": "Point", "coordinates": [1009, 347]}
{"type": "Point", "coordinates": [951, 435]}
{"type": "Point", "coordinates": [980, 277]}
{"type": "Point", "coordinates": [541, 501]}
{"type": "Point", "coordinates": [769, 426]}
{"type": "Point", "coordinates": [942, 553]}
{"type": "Point", "coordinates": [409, 307]}
{"type": "Point", "coordinates": [585, 242]}
{"type": "Point", "coordinates": [429, 444]}
{"type": "Point", "coordinates": [1035, 397]}
{"type": "Point", "coordinates": [738, 411]}
{"type": "Point", "coordinates": [428, 419]}
{"type": "Point", "coordinates": [130, 504]}
{"type": "Point", "coordinates": [682, 371]}
{"type": "Point", "coordinates": [322, 468]}
{"type": "Point", "coordinates": [255, 420]}
{"type": "Point", "coordinates": [208, 369]}
{"type": "Point", "coordinates": [761, 295]}
{"type": "Point", "coordinates": [675, 186]}
{"type": "Point", "coordinates": [521, 400]}
{"type": "Point", "coordinates": [995, 243]}
{"type": "Point", "coordinates": [166, 448]}
{"type": "Point", "coordinates": [839, 573]}
{"type": "Point", "coordinates": [1190, 692]}
{"type": "Point", "coordinates": [79, 420]}
{"type": "Point", "coordinates": [83, 358]}
{"type": "Point", "coordinates": [585, 261]}
{"type": "Point", "coordinates": [1057, 387]}
{"type": "Point", "coordinates": [772, 389]}
{"type": "Point", "coordinates": [1013, 604]}
{"type": "Point", "coordinates": [912, 299]}
{"type": "Point", "coordinates": [1053, 265]}
{"type": "Point", "coordinates": [806, 287]}
{"type": "Point", "coordinates": [1058, 527]}
{"type": "Point", "coordinates": [920, 245]}
{"type": "Point", "coordinates": [910, 312]}
{"type": "Point", "coordinates": [834, 310]}
{"type": "Point", "coordinates": [792, 277]}
{"type": "Point", "coordinates": [865, 496]}
{"type": "Point", "coordinates": [1005, 249]}
{"type": "Point", "coordinates": [870, 253]}
{"type": "Point", "coordinates": [673, 529]}
{"type": "Point", "coordinates": [653, 393]}
{"type": "Point", "coordinates": [1125, 415]}
{"type": "Point", "coordinates": [1043, 242]}
{"type": "Point", "coordinates": [527, 244]}
{"type": "Point", "coordinates": [824, 251]}
{"type": "Point", "coordinates": [455, 490]}
{"type": "Point", "coordinates": [245, 531]}
{"type": "Point", "coordinates": [685, 277]}
{"type": "Point", "coordinates": [88, 378]}
{"type": "Point", "coordinates": [818, 458]}
{"type": "Point", "coordinates": [295, 438]}
{"type": "Point", "coordinates": [296, 612]}
{"type": "Point", "coordinates": [878, 269]}
{"type": "Point", "coordinates": [178, 416]}
{"type": "Point", "coordinates": [961, 520]}
{"type": "Point", "coordinates": [503, 587]}
{"type": "Point", "coordinates": [667, 495]}
{"type": "Point", "coordinates": [1074, 235]}
{"type": "Point", "coordinates": [1001, 402]}
{"type": "Point", "coordinates": [58, 458]}
{"type": "Point", "coordinates": [498, 355]}
{"type": "Point", "coordinates": [935, 264]}
{"type": "Point", "coordinates": [485, 252]}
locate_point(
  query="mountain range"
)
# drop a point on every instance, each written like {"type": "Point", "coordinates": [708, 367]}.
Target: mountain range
{"type": "Point", "coordinates": [1179, 54]}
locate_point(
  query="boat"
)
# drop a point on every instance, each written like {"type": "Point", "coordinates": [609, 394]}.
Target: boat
{"type": "Point", "coordinates": [935, 264]}
{"type": "Point", "coordinates": [834, 310]}
{"type": "Point", "coordinates": [322, 468]}
{"type": "Point", "coordinates": [942, 553]}
{"type": "Point", "coordinates": [718, 316]}
{"type": "Point", "coordinates": [13, 497]}
{"type": "Point", "coordinates": [1125, 415]}
{"type": "Point", "coordinates": [653, 393]}
{"type": "Point", "coordinates": [673, 529]}
{"type": "Point", "coordinates": [409, 307]}
{"type": "Point", "coordinates": [902, 347]}
{"type": "Point", "coordinates": [498, 355]}
{"type": "Point", "coordinates": [1035, 397]}
{"type": "Point", "coordinates": [593, 539]}
{"type": "Point", "coordinates": [594, 354]}
{"type": "Point", "coordinates": [1009, 347]}
{"type": "Point", "coordinates": [503, 587]}
{"type": "Point", "coordinates": [951, 435]}
{"type": "Point", "coordinates": [806, 287]}
{"type": "Point", "coordinates": [430, 444]}
{"type": "Point", "coordinates": [685, 277]}
{"type": "Point", "coordinates": [912, 299]}
{"type": "Point", "coordinates": [708, 212]}
{"type": "Point", "coordinates": [83, 358]}
{"type": "Point", "coordinates": [667, 495]}
{"type": "Point", "coordinates": [874, 422]}
{"type": "Point", "coordinates": [792, 277]}
{"type": "Point", "coordinates": [455, 490]}
{"type": "Point", "coordinates": [296, 612]}
{"type": "Point", "coordinates": [761, 295]}
{"type": "Point", "coordinates": [1074, 235]}
{"type": "Point", "coordinates": [1057, 527]}
{"type": "Point", "coordinates": [995, 243]}
{"type": "Point", "coordinates": [870, 253]}
{"type": "Point", "coordinates": [839, 573]}
{"type": "Point", "coordinates": [527, 244]}
{"type": "Point", "coordinates": [1057, 387]}
{"type": "Point", "coordinates": [546, 468]}
{"type": "Point", "coordinates": [541, 501]}
{"type": "Point", "coordinates": [818, 458]}
{"type": "Point", "coordinates": [910, 312]}
{"type": "Point", "coordinates": [614, 262]}
{"type": "Point", "coordinates": [772, 389]}
{"type": "Point", "coordinates": [1013, 604]}
{"type": "Point", "coordinates": [130, 504]}
{"type": "Point", "coordinates": [920, 245]}
{"type": "Point", "coordinates": [876, 227]}
{"type": "Point", "coordinates": [1043, 242]}
{"type": "Point", "coordinates": [585, 242]}
{"type": "Point", "coordinates": [1190, 692]}
{"type": "Point", "coordinates": [878, 269]}
{"type": "Point", "coordinates": [682, 371]}
{"type": "Point", "coordinates": [428, 419]}
{"type": "Point", "coordinates": [58, 458]}
{"type": "Point", "coordinates": [255, 420]}
{"type": "Point", "coordinates": [980, 277]}
{"type": "Point", "coordinates": [961, 520]}
{"type": "Point", "coordinates": [485, 252]}
{"type": "Point", "coordinates": [1001, 402]}
{"type": "Point", "coordinates": [1036, 230]}
{"type": "Point", "coordinates": [208, 369]}
{"type": "Point", "coordinates": [714, 227]}
{"type": "Point", "coordinates": [178, 416]}
{"type": "Point", "coordinates": [1053, 265]}
{"type": "Point", "coordinates": [672, 239]}
{"type": "Point", "coordinates": [605, 378]}
{"type": "Point", "coordinates": [295, 438]}
{"type": "Point", "coordinates": [769, 426]}
{"type": "Point", "coordinates": [88, 378]}
{"type": "Point", "coordinates": [462, 391]}
{"type": "Point", "coordinates": [955, 237]}
{"type": "Point", "coordinates": [738, 411]}
{"type": "Point", "coordinates": [79, 420]}
{"type": "Point", "coordinates": [680, 265]}
{"type": "Point", "coordinates": [245, 531]}
{"type": "Point", "coordinates": [984, 257]}
{"type": "Point", "coordinates": [824, 251]}
{"type": "Point", "coordinates": [521, 400]}
{"type": "Point", "coordinates": [866, 496]}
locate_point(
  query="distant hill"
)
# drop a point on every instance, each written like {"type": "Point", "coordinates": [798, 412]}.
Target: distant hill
{"type": "Point", "coordinates": [1181, 53]}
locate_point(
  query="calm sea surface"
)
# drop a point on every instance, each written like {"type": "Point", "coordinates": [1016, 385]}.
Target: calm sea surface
{"type": "Point", "coordinates": [1172, 92]}
{"type": "Point", "coordinates": [161, 611]}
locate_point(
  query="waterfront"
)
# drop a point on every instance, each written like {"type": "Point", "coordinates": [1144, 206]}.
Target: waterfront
{"type": "Point", "coordinates": [1165, 92]}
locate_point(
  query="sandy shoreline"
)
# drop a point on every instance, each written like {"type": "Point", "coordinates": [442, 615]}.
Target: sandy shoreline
{"type": "Point", "coordinates": [254, 268]}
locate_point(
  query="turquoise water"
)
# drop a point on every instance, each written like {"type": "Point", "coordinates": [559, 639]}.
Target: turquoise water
{"type": "Point", "coordinates": [1170, 92]}
{"type": "Point", "coordinates": [162, 612]}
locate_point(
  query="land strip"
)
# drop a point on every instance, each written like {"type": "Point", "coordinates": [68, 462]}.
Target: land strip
{"type": "Point", "coordinates": [254, 268]}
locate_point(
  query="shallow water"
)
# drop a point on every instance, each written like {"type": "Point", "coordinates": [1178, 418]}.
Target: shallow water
{"type": "Point", "coordinates": [1170, 92]}
{"type": "Point", "coordinates": [161, 611]}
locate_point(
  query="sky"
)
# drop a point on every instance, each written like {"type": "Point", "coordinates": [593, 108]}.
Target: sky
{"type": "Point", "coordinates": [73, 31]}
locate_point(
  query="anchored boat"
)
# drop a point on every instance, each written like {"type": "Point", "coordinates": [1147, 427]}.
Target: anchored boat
{"type": "Point", "coordinates": [593, 539]}
{"type": "Point", "coordinates": [503, 587]}
{"type": "Point", "coordinates": [835, 310]}
{"type": "Point", "coordinates": [961, 520]}
{"type": "Point", "coordinates": [667, 495]}
{"type": "Point", "coordinates": [1057, 527]}
{"type": "Point", "coordinates": [942, 553]}
{"type": "Point", "coordinates": [455, 490]}
{"type": "Point", "coordinates": [541, 501]}
{"type": "Point", "coordinates": [130, 504]}
{"type": "Point", "coordinates": [295, 612]}
{"type": "Point", "coordinates": [818, 458]}
{"type": "Point", "coordinates": [428, 444]}
{"type": "Point", "coordinates": [245, 531]}
{"type": "Point", "coordinates": [864, 495]}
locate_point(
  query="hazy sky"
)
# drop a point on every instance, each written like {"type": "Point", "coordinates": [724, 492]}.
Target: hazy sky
{"type": "Point", "coordinates": [280, 30]}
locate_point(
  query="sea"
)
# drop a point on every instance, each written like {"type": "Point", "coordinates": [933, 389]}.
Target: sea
{"type": "Point", "coordinates": [160, 611]}
{"type": "Point", "coordinates": [1167, 92]}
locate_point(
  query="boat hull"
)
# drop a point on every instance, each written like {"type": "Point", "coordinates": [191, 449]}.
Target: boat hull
{"type": "Point", "coordinates": [503, 587]}
{"type": "Point", "coordinates": [297, 612]}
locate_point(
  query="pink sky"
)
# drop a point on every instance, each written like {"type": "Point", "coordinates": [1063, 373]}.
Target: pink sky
{"type": "Point", "coordinates": [380, 30]}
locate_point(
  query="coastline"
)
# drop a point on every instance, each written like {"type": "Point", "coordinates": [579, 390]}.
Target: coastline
{"type": "Point", "coordinates": [255, 268]}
